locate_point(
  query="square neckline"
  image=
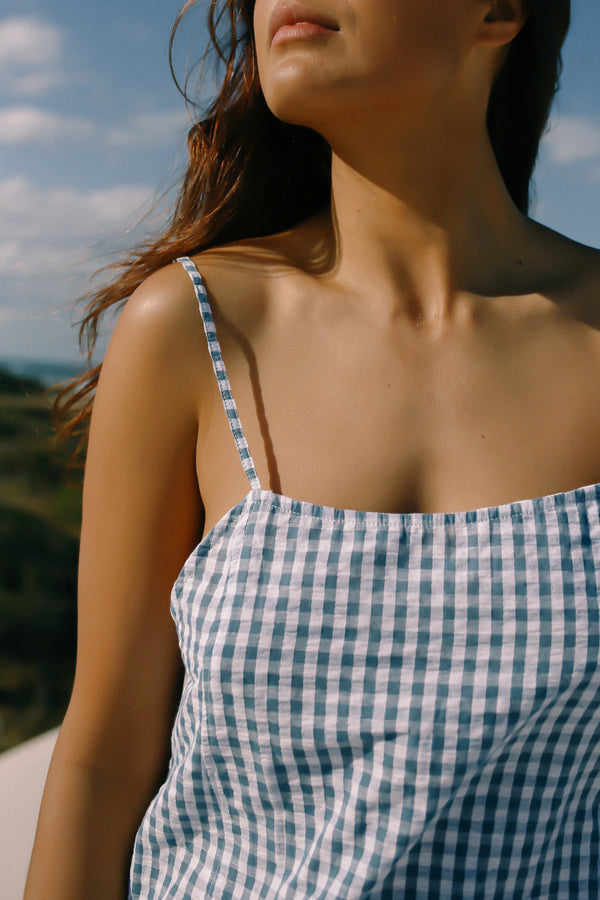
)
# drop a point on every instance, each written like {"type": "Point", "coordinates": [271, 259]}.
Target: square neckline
{"type": "Point", "coordinates": [515, 510]}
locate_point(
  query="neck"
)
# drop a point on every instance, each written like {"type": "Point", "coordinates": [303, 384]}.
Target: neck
{"type": "Point", "coordinates": [423, 220]}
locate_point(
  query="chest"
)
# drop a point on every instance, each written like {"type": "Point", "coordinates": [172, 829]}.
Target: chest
{"type": "Point", "coordinates": [385, 419]}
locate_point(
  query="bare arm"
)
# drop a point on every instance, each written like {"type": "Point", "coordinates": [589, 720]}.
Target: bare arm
{"type": "Point", "coordinates": [142, 517]}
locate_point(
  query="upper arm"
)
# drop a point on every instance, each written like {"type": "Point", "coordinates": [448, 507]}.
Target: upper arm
{"type": "Point", "coordinates": [141, 518]}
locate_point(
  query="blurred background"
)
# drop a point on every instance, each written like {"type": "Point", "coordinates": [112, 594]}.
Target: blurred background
{"type": "Point", "coordinates": [92, 133]}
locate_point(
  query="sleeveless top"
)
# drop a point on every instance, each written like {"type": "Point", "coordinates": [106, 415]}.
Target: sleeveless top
{"type": "Point", "coordinates": [382, 706]}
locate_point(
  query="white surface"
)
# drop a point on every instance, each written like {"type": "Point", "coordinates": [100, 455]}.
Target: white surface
{"type": "Point", "coordinates": [22, 776]}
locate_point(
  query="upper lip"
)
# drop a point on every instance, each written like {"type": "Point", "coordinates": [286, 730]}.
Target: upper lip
{"type": "Point", "coordinates": [292, 13]}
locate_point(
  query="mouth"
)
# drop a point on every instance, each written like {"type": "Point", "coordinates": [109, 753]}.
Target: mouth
{"type": "Point", "coordinates": [295, 20]}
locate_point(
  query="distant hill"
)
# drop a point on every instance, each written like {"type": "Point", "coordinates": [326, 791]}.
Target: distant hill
{"type": "Point", "coordinates": [39, 527]}
{"type": "Point", "coordinates": [44, 372]}
{"type": "Point", "coordinates": [13, 385]}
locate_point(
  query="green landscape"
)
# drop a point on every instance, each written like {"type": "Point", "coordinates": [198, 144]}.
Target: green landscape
{"type": "Point", "coordinates": [39, 529]}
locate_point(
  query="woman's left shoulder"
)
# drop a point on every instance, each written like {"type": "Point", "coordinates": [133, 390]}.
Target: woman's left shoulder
{"type": "Point", "coordinates": [583, 297]}
{"type": "Point", "coordinates": [573, 277]}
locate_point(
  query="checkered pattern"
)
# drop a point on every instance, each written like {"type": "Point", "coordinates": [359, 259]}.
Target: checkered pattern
{"type": "Point", "coordinates": [219, 367]}
{"type": "Point", "coordinates": [382, 706]}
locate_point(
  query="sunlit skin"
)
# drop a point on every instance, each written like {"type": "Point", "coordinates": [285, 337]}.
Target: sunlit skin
{"type": "Point", "coordinates": [423, 347]}
{"type": "Point", "coordinates": [429, 349]}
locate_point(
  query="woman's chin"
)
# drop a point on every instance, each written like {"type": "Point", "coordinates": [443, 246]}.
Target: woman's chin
{"type": "Point", "coordinates": [315, 109]}
{"type": "Point", "coordinates": [294, 111]}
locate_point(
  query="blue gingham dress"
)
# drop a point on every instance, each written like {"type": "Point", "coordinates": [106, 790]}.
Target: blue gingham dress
{"type": "Point", "coordinates": [382, 706]}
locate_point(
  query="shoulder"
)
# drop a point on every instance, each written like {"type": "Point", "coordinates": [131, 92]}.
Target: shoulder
{"type": "Point", "coordinates": [157, 351]}
{"type": "Point", "coordinates": [160, 325]}
{"type": "Point", "coordinates": [558, 286]}
{"type": "Point", "coordinates": [582, 296]}
{"type": "Point", "coordinates": [247, 279]}
{"type": "Point", "coordinates": [237, 279]}
{"type": "Point", "coordinates": [162, 311]}
{"type": "Point", "coordinates": [572, 276]}
{"type": "Point", "coordinates": [159, 335]}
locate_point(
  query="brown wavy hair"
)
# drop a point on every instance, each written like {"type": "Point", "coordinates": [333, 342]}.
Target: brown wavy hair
{"type": "Point", "coordinates": [249, 174]}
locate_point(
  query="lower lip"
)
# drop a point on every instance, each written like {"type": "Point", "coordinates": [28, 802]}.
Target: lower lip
{"type": "Point", "coordinates": [301, 31]}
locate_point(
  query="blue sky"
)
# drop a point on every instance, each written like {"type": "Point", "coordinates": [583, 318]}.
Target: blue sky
{"type": "Point", "coordinates": [92, 129]}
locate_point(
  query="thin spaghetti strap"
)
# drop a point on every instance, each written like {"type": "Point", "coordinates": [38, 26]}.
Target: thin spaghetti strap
{"type": "Point", "coordinates": [216, 356]}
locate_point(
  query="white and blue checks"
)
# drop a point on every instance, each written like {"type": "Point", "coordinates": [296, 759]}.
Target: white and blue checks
{"type": "Point", "coordinates": [382, 706]}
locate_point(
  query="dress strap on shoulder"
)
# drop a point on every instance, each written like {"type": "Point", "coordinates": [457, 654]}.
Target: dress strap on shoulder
{"type": "Point", "coordinates": [216, 356]}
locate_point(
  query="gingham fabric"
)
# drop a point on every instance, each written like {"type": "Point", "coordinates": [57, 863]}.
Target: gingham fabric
{"type": "Point", "coordinates": [383, 706]}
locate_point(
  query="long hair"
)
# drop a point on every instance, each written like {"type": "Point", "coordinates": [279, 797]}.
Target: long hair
{"type": "Point", "coordinates": [523, 92]}
{"type": "Point", "coordinates": [250, 175]}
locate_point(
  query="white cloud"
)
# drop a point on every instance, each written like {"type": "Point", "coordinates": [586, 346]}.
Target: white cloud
{"type": "Point", "coordinates": [34, 83]}
{"type": "Point", "coordinates": [30, 56]}
{"type": "Point", "coordinates": [114, 204]}
{"type": "Point", "coordinates": [150, 128]}
{"type": "Point", "coordinates": [593, 173]}
{"type": "Point", "coordinates": [51, 241]}
{"type": "Point", "coordinates": [9, 254]}
{"type": "Point", "coordinates": [573, 139]}
{"type": "Point", "coordinates": [31, 124]}
{"type": "Point", "coordinates": [27, 41]}
{"type": "Point", "coordinates": [59, 227]}
{"type": "Point", "coordinates": [9, 314]}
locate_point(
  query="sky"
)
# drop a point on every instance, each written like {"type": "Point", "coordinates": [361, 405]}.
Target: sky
{"type": "Point", "coordinates": [92, 133]}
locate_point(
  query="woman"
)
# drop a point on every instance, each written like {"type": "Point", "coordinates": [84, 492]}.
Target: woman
{"type": "Point", "coordinates": [384, 698]}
